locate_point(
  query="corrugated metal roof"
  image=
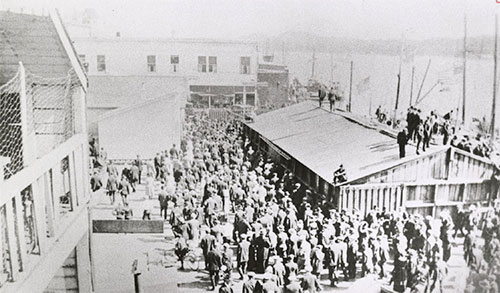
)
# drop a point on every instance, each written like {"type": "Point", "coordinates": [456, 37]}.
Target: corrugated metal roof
{"type": "Point", "coordinates": [34, 41]}
{"type": "Point", "coordinates": [322, 140]}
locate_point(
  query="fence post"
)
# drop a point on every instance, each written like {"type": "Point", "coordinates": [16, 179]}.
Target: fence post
{"type": "Point", "coordinates": [29, 151]}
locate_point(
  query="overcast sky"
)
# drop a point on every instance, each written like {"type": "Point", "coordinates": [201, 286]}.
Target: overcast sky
{"type": "Point", "coordinates": [364, 19]}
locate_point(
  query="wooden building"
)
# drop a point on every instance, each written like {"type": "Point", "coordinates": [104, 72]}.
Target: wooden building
{"type": "Point", "coordinates": [313, 142]}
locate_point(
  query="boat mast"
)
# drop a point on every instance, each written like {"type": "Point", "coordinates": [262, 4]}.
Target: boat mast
{"type": "Point", "coordinates": [465, 70]}
{"type": "Point", "coordinates": [493, 105]}
{"type": "Point", "coordinates": [350, 87]}
{"type": "Point", "coordinates": [313, 63]}
{"type": "Point", "coordinates": [411, 85]}
{"type": "Point", "coordinates": [399, 84]}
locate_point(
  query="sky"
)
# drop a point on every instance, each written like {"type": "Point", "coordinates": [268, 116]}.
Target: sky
{"type": "Point", "coordinates": [226, 19]}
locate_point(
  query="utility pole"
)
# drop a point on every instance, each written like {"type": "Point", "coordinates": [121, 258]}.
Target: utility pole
{"type": "Point", "coordinates": [411, 86]}
{"type": "Point", "coordinates": [350, 87]}
{"type": "Point", "coordinates": [493, 105]}
{"type": "Point", "coordinates": [313, 63]}
{"type": "Point", "coordinates": [465, 70]}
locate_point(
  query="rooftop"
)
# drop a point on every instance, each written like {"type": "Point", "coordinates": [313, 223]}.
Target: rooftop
{"type": "Point", "coordinates": [34, 41]}
{"type": "Point", "coordinates": [321, 140]}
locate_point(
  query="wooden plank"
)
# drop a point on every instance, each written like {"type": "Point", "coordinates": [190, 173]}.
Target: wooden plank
{"type": "Point", "coordinates": [12, 240]}
{"type": "Point", "coordinates": [127, 226]}
{"type": "Point", "coordinates": [21, 232]}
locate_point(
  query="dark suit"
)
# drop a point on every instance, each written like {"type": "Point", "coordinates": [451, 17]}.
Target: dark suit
{"type": "Point", "coordinates": [214, 263]}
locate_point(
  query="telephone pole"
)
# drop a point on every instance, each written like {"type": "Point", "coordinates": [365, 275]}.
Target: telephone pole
{"type": "Point", "coordinates": [350, 87]}
{"type": "Point", "coordinates": [493, 105]}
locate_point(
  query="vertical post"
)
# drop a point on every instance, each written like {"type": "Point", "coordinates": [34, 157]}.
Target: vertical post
{"type": "Point", "coordinates": [313, 63]}
{"type": "Point", "coordinates": [493, 105]}
{"type": "Point", "coordinates": [350, 87]}
{"type": "Point", "coordinates": [27, 148]}
{"type": "Point", "coordinates": [411, 85]}
{"type": "Point", "coordinates": [12, 239]}
{"type": "Point", "coordinates": [465, 70]}
{"type": "Point", "coordinates": [20, 230]}
{"type": "Point", "coordinates": [331, 67]}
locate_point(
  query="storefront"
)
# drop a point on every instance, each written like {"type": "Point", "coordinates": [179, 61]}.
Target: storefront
{"type": "Point", "coordinates": [221, 96]}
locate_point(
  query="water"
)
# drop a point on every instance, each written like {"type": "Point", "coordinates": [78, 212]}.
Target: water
{"type": "Point", "coordinates": [383, 70]}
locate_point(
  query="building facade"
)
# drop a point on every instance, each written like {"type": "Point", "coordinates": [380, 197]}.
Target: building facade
{"type": "Point", "coordinates": [44, 193]}
{"type": "Point", "coordinates": [219, 73]}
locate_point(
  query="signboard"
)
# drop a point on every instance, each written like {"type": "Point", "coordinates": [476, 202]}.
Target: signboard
{"type": "Point", "coordinates": [127, 226]}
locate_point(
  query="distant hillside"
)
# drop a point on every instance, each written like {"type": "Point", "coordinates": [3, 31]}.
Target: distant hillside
{"type": "Point", "coordinates": [304, 41]}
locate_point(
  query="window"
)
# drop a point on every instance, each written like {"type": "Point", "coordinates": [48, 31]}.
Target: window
{"type": "Point", "coordinates": [212, 64]}
{"type": "Point", "coordinates": [151, 63]}
{"type": "Point", "coordinates": [202, 64]}
{"type": "Point", "coordinates": [245, 65]}
{"type": "Point", "coordinates": [174, 62]}
{"type": "Point", "coordinates": [101, 63]}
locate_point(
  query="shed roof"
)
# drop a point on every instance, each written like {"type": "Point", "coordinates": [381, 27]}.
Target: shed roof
{"type": "Point", "coordinates": [34, 41]}
{"type": "Point", "coordinates": [322, 140]}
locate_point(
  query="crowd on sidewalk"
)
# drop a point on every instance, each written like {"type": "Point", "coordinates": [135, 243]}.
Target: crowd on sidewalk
{"type": "Point", "coordinates": [219, 191]}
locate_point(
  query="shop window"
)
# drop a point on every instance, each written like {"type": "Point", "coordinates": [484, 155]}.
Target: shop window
{"type": "Point", "coordinates": [251, 99]}
{"type": "Point", "coordinates": [238, 99]}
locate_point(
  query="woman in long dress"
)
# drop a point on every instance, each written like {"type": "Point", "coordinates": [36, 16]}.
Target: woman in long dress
{"type": "Point", "coordinates": [150, 186]}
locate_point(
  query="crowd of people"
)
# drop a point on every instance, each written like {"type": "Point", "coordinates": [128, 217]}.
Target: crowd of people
{"type": "Point", "coordinates": [422, 130]}
{"type": "Point", "coordinates": [218, 192]}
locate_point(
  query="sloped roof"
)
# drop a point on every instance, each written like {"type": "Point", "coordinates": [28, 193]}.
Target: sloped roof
{"type": "Point", "coordinates": [321, 140]}
{"type": "Point", "coordinates": [121, 91]}
{"type": "Point", "coordinates": [34, 41]}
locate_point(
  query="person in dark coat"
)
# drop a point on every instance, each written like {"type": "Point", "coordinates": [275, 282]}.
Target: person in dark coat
{"type": "Point", "coordinates": [262, 245]}
{"type": "Point", "coordinates": [163, 199]}
{"type": "Point", "coordinates": [321, 95]}
{"type": "Point", "coordinates": [207, 244]}
{"type": "Point", "coordinates": [214, 264]}
{"type": "Point", "coordinates": [402, 141]}
{"type": "Point", "coordinates": [331, 99]}
{"type": "Point", "coordinates": [112, 187]}
{"type": "Point", "coordinates": [138, 162]}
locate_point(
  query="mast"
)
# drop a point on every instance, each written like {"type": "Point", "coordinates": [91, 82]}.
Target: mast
{"type": "Point", "coordinates": [423, 80]}
{"type": "Point", "coordinates": [493, 104]}
{"type": "Point", "coordinates": [331, 67]}
{"type": "Point", "coordinates": [465, 70]}
{"type": "Point", "coordinates": [399, 84]}
{"type": "Point", "coordinates": [350, 87]}
{"type": "Point", "coordinates": [283, 52]}
{"type": "Point", "coordinates": [411, 85]}
{"type": "Point", "coordinates": [313, 63]}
